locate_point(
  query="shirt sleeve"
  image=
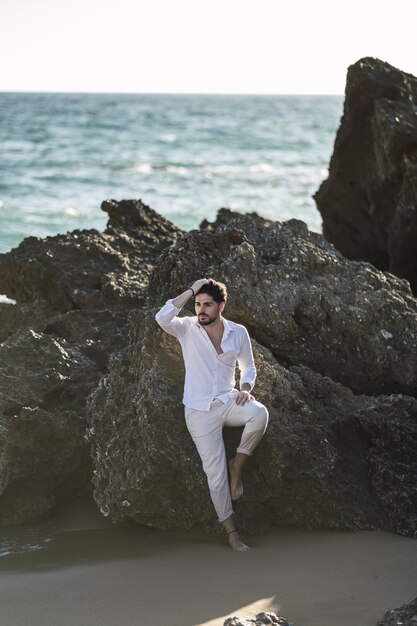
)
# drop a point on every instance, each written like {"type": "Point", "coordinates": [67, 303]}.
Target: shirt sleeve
{"type": "Point", "coordinates": [246, 362]}
{"type": "Point", "coordinates": [168, 320]}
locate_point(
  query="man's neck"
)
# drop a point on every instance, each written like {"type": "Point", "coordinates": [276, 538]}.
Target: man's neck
{"type": "Point", "coordinates": [215, 328]}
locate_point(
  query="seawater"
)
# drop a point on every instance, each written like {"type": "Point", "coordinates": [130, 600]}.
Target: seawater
{"type": "Point", "coordinates": [186, 156]}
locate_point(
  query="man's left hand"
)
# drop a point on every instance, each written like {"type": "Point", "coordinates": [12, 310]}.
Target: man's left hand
{"type": "Point", "coordinates": [243, 397]}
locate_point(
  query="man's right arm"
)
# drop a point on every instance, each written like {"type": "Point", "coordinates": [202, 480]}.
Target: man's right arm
{"type": "Point", "coordinates": [183, 298]}
{"type": "Point", "coordinates": [167, 317]}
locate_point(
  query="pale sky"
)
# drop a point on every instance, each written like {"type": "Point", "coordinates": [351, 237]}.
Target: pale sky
{"type": "Point", "coordinates": [190, 46]}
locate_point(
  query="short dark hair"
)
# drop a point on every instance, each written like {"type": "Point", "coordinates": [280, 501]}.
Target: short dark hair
{"type": "Point", "coordinates": [214, 289]}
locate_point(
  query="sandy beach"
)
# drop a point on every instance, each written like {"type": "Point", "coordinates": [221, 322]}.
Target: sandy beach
{"type": "Point", "coordinates": [89, 573]}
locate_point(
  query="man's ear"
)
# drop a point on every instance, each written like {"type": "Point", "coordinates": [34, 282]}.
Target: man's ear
{"type": "Point", "coordinates": [221, 306]}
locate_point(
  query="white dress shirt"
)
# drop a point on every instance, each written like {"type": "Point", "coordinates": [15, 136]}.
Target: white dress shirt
{"type": "Point", "coordinates": [209, 375]}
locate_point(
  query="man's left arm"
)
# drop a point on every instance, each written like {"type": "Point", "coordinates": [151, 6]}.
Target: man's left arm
{"type": "Point", "coordinates": [247, 369]}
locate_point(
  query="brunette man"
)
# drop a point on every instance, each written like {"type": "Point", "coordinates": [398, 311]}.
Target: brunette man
{"type": "Point", "coordinates": [211, 346]}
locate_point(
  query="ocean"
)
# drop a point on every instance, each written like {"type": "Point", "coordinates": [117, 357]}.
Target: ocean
{"type": "Point", "coordinates": [186, 156]}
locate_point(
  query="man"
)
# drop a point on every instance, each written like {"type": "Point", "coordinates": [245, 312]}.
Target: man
{"type": "Point", "coordinates": [211, 346]}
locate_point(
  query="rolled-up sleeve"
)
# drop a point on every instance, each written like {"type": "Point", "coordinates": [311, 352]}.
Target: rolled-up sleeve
{"type": "Point", "coordinates": [246, 362]}
{"type": "Point", "coordinates": [168, 319]}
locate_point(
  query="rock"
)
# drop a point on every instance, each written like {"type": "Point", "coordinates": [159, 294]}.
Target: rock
{"type": "Point", "coordinates": [334, 343]}
{"type": "Point", "coordinates": [74, 293]}
{"type": "Point", "coordinates": [87, 269]}
{"type": "Point", "coordinates": [26, 315]}
{"type": "Point", "coordinates": [329, 459]}
{"type": "Point", "coordinates": [369, 200]}
{"type": "Point", "coordinates": [43, 455]}
{"type": "Point", "coordinates": [303, 300]}
{"type": "Point", "coordinates": [261, 618]}
{"type": "Point", "coordinates": [406, 615]}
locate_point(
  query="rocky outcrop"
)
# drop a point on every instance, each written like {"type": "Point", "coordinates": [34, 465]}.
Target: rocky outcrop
{"type": "Point", "coordinates": [73, 295]}
{"type": "Point", "coordinates": [369, 200]}
{"type": "Point", "coordinates": [303, 300]}
{"type": "Point", "coordinates": [336, 450]}
{"type": "Point", "coordinates": [43, 455]}
{"type": "Point", "coordinates": [406, 616]}
{"type": "Point", "coordinates": [334, 342]}
{"type": "Point", "coordinates": [86, 270]}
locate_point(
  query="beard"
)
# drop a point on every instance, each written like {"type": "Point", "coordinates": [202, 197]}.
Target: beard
{"type": "Point", "coordinates": [207, 319]}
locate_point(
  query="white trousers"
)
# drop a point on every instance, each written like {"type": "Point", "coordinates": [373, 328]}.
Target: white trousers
{"type": "Point", "coordinates": [206, 429]}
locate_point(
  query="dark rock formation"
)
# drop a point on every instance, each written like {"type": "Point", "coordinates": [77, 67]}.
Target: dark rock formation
{"type": "Point", "coordinates": [329, 336]}
{"type": "Point", "coordinates": [85, 270]}
{"type": "Point", "coordinates": [330, 458]}
{"type": "Point", "coordinates": [303, 300]}
{"type": "Point", "coordinates": [43, 454]}
{"type": "Point", "coordinates": [406, 616]}
{"type": "Point", "coordinates": [369, 201]}
{"type": "Point", "coordinates": [74, 293]}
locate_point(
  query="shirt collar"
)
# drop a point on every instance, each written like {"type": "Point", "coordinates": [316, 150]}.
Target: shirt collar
{"type": "Point", "coordinates": [227, 326]}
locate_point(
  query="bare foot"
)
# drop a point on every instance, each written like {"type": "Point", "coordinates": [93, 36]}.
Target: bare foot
{"type": "Point", "coordinates": [236, 543]}
{"type": "Point", "coordinates": [236, 487]}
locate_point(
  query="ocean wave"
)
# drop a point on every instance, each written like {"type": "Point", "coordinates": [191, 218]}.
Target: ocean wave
{"type": "Point", "coordinates": [169, 138]}
{"type": "Point", "coordinates": [144, 168]}
{"type": "Point", "coordinates": [244, 169]}
{"type": "Point", "coordinates": [186, 156]}
{"type": "Point", "coordinates": [27, 540]}
{"type": "Point", "coordinates": [260, 170]}
{"type": "Point", "coordinates": [149, 168]}
{"type": "Point", "coordinates": [71, 212]}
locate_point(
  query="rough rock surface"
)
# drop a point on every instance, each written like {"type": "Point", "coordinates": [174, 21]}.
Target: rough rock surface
{"type": "Point", "coordinates": [330, 337]}
{"type": "Point", "coordinates": [303, 300]}
{"type": "Point", "coordinates": [369, 201]}
{"type": "Point", "coordinates": [86, 270]}
{"type": "Point", "coordinates": [335, 455]}
{"type": "Point", "coordinates": [405, 616]}
{"type": "Point", "coordinates": [43, 456]}
{"type": "Point", "coordinates": [73, 295]}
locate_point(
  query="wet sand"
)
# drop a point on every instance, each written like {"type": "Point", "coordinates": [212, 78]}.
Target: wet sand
{"type": "Point", "coordinates": [80, 571]}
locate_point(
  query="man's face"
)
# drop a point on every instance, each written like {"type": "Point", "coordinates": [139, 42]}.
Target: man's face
{"type": "Point", "coordinates": [207, 309]}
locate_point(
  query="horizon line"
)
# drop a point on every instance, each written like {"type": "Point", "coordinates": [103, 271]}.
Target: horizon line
{"type": "Point", "coordinates": [164, 93]}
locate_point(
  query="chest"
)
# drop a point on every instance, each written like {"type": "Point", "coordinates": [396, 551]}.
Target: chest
{"type": "Point", "coordinates": [216, 340]}
{"type": "Point", "coordinates": [215, 344]}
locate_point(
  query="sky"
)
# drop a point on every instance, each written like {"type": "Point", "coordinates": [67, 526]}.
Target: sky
{"type": "Point", "coordinates": [189, 46]}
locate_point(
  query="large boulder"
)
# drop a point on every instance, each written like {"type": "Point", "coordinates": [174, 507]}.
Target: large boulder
{"type": "Point", "coordinates": [88, 269]}
{"type": "Point", "coordinates": [369, 200]}
{"type": "Point", "coordinates": [303, 300]}
{"type": "Point", "coordinates": [44, 382]}
{"type": "Point", "coordinates": [72, 294]}
{"type": "Point", "coordinates": [330, 336]}
{"type": "Point", "coordinates": [331, 458]}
